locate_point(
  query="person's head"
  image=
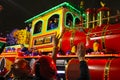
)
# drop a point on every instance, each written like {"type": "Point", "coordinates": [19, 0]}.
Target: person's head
{"type": "Point", "coordinates": [56, 20]}
{"type": "Point", "coordinates": [45, 68]}
{"type": "Point", "coordinates": [50, 21]}
{"type": "Point", "coordinates": [21, 67]}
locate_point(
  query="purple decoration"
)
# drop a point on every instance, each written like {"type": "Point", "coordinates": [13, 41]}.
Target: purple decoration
{"type": "Point", "coordinates": [10, 38]}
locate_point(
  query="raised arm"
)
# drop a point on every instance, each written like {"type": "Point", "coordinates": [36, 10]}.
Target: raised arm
{"type": "Point", "coordinates": [84, 71]}
{"type": "Point", "coordinates": [55, 49]}
{"type": "Point", "coordinates": [81, 51]}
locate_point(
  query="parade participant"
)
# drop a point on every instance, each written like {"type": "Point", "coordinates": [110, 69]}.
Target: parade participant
{"type": "Point", "coordinates": [84, 71]}
{"type": "Point", "coordinates": [24, 50]}
{"type": "Point", "coordinates": [35, 52]}
{"type": "Point", "coordinates": [96, 46]}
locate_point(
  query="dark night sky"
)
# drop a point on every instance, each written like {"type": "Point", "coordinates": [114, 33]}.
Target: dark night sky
{"type": "Point", "coordinates": [15, 12]}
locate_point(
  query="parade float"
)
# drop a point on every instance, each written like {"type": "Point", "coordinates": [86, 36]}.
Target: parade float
{"type": "Point", "coordinates": [97, 28]}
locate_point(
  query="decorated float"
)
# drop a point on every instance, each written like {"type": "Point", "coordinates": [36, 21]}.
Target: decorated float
{"type": "Point", "coordinates": [97, 28]}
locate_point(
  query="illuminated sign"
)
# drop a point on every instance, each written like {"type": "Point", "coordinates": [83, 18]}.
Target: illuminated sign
{"type": "Point", "coordinates": [48, 40]}
{"type": "Point", "coordinates": [43, 40]}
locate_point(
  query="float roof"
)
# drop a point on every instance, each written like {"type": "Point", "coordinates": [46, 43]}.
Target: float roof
{"type": "Point", "coordinates": [65, 4]}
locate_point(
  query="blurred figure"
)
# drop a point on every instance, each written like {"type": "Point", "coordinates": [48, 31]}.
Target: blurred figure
{"type": "Point", "coordinates": [96, 46]}
{"type": "Point", "coordinates": [20, 70]}
{"type": "Point", "coordinates": [55, 22]}
{"type": "Point", "coordinates": [3, 69]}
{"type": "Point", "coordinates": [84, 71]}
{"type": "Point", "coordinates": [24, 50]}
{"type": "Point", "coordinates": [35, 52]}
{"type": "Point", "coordinates": [69, 23]}
{"type": "Point", "coordinates": [1, 8]}
{"type": "Point", "coordinates": [45, 69]}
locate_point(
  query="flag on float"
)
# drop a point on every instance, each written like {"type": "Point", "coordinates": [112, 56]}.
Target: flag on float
{"type": "Point", "coordinates": [2, 43]}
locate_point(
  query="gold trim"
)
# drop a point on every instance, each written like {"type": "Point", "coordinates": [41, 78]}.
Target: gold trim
{"type": "Point", "coordinates": [72, 38]}
{"type": "Point", "coordinates": [103, 36]}
{"type": "Point", "coordinates": [107, 69]}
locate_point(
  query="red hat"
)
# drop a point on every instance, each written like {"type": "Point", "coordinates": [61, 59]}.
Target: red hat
{"type": "Point", "coordinates": [47, 68]}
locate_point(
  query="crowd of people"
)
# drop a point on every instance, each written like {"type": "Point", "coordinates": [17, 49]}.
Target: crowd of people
{"type": "Point", "coordinates": [44, 68]}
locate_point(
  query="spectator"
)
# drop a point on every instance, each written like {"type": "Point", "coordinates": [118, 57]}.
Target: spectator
{"type": "Point", "coordinates": [84, 71]}
{"type": "Point", "coordinates": [20, 70]}
{"type": "Point", "coordinates": [45, 68]}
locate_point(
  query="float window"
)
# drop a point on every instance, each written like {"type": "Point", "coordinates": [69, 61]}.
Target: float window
{"type": "Point", "coordinates": [77, 22]}
{"type": "Point", "coordinates": [53, 22]}
{"type": "Point", "coordinates": [69, 19]}
{"type": "Point", "coordinates": [38, 27]}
